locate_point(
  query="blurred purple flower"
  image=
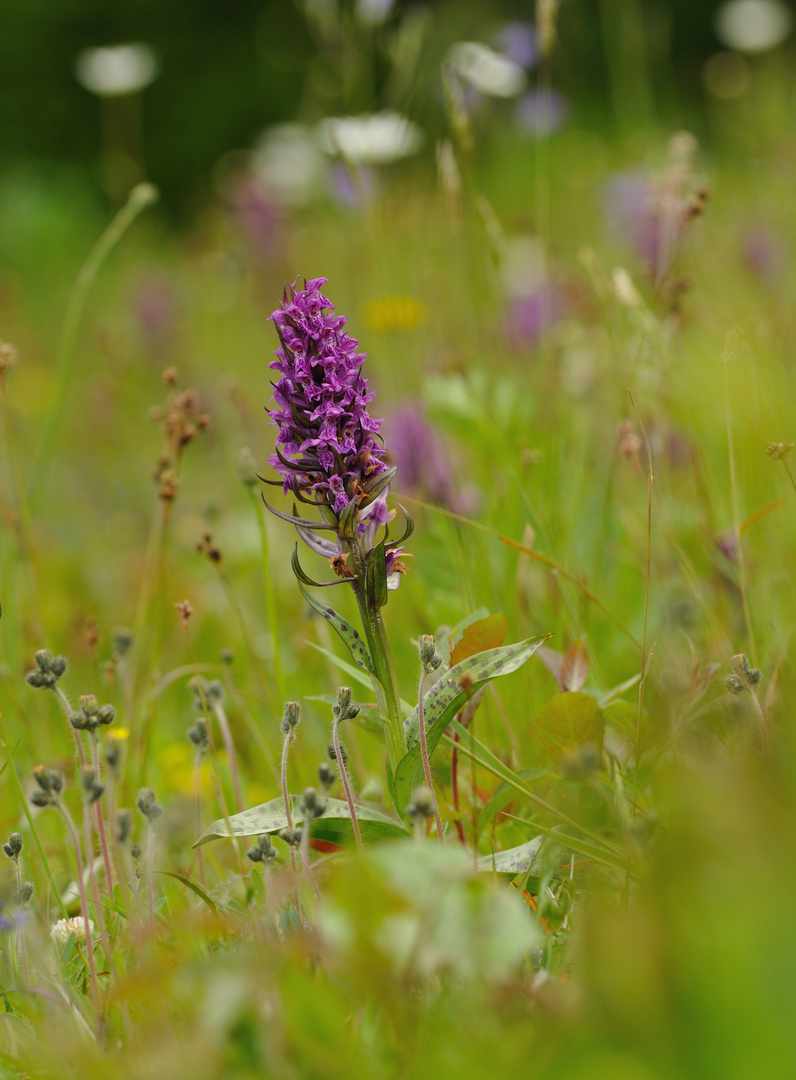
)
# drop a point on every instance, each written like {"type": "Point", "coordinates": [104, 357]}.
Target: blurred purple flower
{"type": "Point", "coordinates": [651, 213]}
{"type": "Point", "coordinates": [517, 42]}
{"type": "Point", "coordinates": [423, 463]}
{"type": "Point", "coordinates": [346, 191]}
{"type": "Point", "coordinates": [530, 316]}
{"type": "Point", "coordinates": [155, 305]}
{"type": "Point", "coordinates": [764, 253]}
{"type": "Point", "coordinates": [256, 216]}
{"type": "Point", "coordinates": [541, 112]}
{"type": "Point", "coordinates": [326, 433]}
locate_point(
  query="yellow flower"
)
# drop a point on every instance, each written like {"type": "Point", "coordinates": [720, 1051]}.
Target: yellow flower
{"type": "Point", "coordinates": [393, 314]}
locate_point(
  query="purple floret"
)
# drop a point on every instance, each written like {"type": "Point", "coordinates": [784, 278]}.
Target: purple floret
{"type": "Point", "coordinates": [326, 436]}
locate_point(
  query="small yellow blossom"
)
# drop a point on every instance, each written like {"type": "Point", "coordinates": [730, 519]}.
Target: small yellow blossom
{"type": "Point", "coordinates": [393, 314]}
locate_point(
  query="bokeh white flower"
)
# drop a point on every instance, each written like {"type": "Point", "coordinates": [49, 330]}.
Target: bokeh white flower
{"type": "Point", "coordinates": [61, 931]}
{"type": "Point", "coordinates": [752, 26]}
{"type": "Point", "coordinates": [289, 163]}
{"type": "Point", "coordinates": [374, 12]}
{"type": "Point", "coordinates": [486, 70]}
{"type": "Point", "coordinates": [371, 139]}
{"type": "Point", "coordinates": [116, 70]}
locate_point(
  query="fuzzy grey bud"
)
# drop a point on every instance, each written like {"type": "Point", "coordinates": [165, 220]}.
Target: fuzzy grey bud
{"type": "Point", "coordinates": [734, 684]}
{"type": "Point", "coordinates": [13, 845]}
{"type": "Point", "coordinates": [198, 736]}
{"type": "Point", "coordinates": [135, 851]}
{"type": "Point", "coordinates": [148, 804]}
{"type": "Point", "coordinates": [311, 806]}
{"type": "Point", "coordinates": [124, 825]}
{"type": "Point", "coordinates": [58, 666]}
{"type": "Point", "coordinates": [427, 648]}
{"type": "Point", "coordinates": [263, 851]}
{"type": "Point", "coordinates": [345, 708]}
{"type": "Point", "coordinates": [326, 775]}
{"type": "Point", "coordinates": [422, 804]}
{"type": "Point", "coordinates": [106, 714]}
{"type": "Point", "coordinates": [292, 837]}
{"type": "Point", "coordinates": [290, 717]}
{"type": "Point", "coordinates": [122, 640]}
{"type": "Point", "coordinates": [24, 894]}
{"type": "Point", "coordinates": [330, 750]}
{"type": "Point", "coordinates": [92, 788]}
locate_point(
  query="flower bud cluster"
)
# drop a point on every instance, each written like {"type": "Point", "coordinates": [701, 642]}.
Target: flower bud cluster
{"type": "Point", "coordinates": [92, 788]}
{"type": "Point", "coordinates": [148, 804]}
{"type": "Point", "coordinates": [422, 805]}
{"type": "Point", "coordinates": [91, 714]}
{"type": "Point", "coordinates": [13, 846]}
{"type": "Point", "coordinates": [291, 717]}
{"type": "Point", "coordinates": [50, 785]}
{"type": "Point", "coordinates": [263, 851]}
{"type": "Point", "coordinates": [50, 669]}
{"type": "Point", "coordinates": [429, 657]}
{"type": "Point", "coordinates": [208, 692]}
{"type": "Point", "coordinates": [197, 734]}
{"type": "Point", "coordinates": [744, 677]}
{"type": "Point", "coordinates": [311, 805]}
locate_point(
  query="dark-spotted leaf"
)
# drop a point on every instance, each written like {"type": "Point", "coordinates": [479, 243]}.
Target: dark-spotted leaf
{"type": "Point", "coordinates": [479, 636]}
{"type": "Point", "coordinates": [351, 637]}
{"type": "Point", "coordinates": [443, 701]}
{"type": "Point", "coordinates": [568, 721]}
{"type": "Point", "coordinates": [513, 861]}
{"type": "Point", "coordinates": [334, 826]}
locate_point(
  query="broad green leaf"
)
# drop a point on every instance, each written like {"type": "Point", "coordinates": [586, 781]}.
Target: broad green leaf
{"type": "Point", "coordinates": [443, 701]}
{"type": "Point", "coordinates": [513, 861]}
{"type": "Point", "coordinates": [334, 826]}
{"type": "Point", "coordinates": [568, 721]}
{"type": "Point", "coordinates": [351, 637]}
{"type": "Point", "coordinates": [488, 633]}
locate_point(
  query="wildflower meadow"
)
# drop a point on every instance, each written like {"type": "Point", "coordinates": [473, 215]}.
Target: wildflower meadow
{"type": "Point", "coordinates": [396, 613]}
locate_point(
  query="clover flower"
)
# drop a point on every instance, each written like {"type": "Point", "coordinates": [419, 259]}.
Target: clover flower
{"type": "Point", "coordinates": [61, 931]}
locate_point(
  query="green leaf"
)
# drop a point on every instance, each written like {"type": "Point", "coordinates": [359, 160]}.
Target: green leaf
{"type": "Point", "coordinates": [505, 794]}
{"type": "Point", "coordinates": [513, 861]}
{"type": "Point", "coordinates": [443, 701]}
{"type": "Point", "coordinates": [568, 721]}
{"type": "Point", "coordinates": [353, 673]}
{"type": "Point", "coordinates": [189, 883]}
{"type": "Point", "coordinates": [334, 826]}
{"type": "Point", "coordinates": [376, 578]}
{"type": "Point", "coordinates": [351, 637]}
{"type": "Point", "coordinates": [471, 746]}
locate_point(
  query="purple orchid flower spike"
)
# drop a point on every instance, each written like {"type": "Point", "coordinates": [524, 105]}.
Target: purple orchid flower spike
{"type": "Point", "coordinates": [329, 455]}
{"type": "Point", "coordinates": [328, 451]}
